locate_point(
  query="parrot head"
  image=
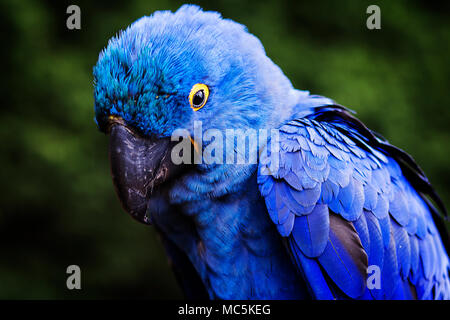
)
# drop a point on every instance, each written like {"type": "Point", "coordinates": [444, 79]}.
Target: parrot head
{"type": "Point", "coordinates": [164, 73]}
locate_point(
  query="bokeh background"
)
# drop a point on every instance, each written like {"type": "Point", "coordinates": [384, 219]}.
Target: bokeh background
{"type": "Point", "coordinates": [58, 205]}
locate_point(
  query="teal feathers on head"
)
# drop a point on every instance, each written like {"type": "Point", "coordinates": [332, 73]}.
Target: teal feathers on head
{"type": "Point", "coordinates": [146, 73]}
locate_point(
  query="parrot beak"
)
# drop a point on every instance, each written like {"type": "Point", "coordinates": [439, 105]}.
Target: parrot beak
{"type": "Point", "coordinates": [138, 165]}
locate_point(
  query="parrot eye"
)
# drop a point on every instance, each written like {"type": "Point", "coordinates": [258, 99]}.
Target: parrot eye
{"type": "Point", "coordinates": [198, 96]}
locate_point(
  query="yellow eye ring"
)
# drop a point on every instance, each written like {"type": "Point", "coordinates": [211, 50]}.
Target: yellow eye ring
{"type": "Point", "coordinates": [198, 96]}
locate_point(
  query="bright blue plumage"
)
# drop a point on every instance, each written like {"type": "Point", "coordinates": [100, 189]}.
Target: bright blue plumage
{"type": "Point", "coordinates": [364, 185]}
{"type": "Point", "coordinates": [341, 200]}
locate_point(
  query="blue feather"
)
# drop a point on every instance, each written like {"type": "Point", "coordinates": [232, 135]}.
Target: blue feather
{"type": "Point", "coordinates": [403, 249]}
{"type": "Point", "coordinates": [285, 228]}
{"type": "Point", "coordinates": [385, 226]}
{"type": "Point", "coordinates": [293, 180]}
{"type": "Point", "coordinates": [398, 207]}
{"type": "Point", "coordinates": [345, 260]}
{"type": "Point", "coordinates": [329, 191]}
{"type": "Point", "coordinates": [307, 197]}
{"type": "Point", "coordinates": [376, 252]}
{"type": "Point", "coordinates": [389, 273]}
{"type": "Point", "coordinates": [363, 232]}
{"type": "Point", "coordinates": [310, 232]}
{"type": "Point", "coordinates": [313, 274]}
{"type": "Point", "coordinates": [382, 209]}
{"type": "Point", "coordinates": [370, 197]}
{"type": "Point", "coordinates": [414, 246]}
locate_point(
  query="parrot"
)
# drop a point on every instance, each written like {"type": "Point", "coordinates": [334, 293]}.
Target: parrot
{"type": "Point", "coordinates": [328, 210]}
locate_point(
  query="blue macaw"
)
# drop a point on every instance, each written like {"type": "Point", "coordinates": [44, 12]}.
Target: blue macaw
{"type": "Point", "coordinates": [341, 207]}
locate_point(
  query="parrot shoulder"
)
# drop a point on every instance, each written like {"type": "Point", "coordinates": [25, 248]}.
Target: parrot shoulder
{"type": "Point", "coordinates": [344, 199]}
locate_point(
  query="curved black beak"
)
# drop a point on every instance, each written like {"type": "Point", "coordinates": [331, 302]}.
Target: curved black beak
{"type": "Point", "coordinates": [138, 164]}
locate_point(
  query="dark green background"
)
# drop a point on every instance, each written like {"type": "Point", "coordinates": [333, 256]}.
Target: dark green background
{"type": "Point", "coordinates": [58, 205]}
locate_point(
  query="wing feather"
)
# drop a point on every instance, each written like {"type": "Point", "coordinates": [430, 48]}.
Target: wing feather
{"type": "Point", "coordinates": [345, 199]}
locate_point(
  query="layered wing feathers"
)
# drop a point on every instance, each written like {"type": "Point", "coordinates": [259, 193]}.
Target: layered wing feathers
{"type": "Point", "coordinates": [343, 203]}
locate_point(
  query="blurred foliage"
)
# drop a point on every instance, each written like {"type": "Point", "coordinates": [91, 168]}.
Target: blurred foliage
{"type": "Point", "coordinates": [58, 205]}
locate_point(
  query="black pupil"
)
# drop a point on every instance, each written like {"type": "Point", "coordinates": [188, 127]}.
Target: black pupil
{"type": "Point", "coordinates": [199, 96]}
